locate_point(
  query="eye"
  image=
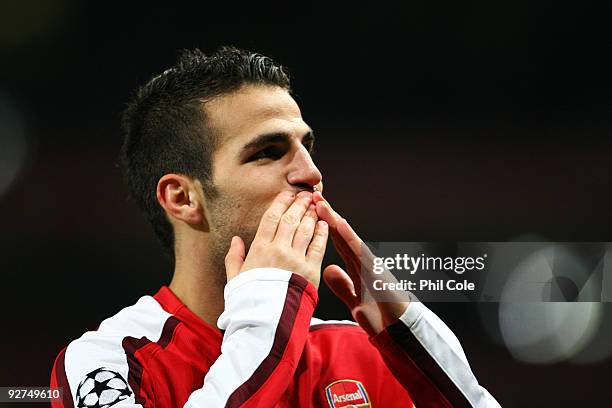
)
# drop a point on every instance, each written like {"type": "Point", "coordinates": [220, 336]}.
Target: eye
{"type": "Point", "coordinates": [310, 148]}
{"type": "Point", "coordinates": [270, 152]}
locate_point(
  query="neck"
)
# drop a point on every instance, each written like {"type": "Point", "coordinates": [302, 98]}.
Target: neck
{"type": "Point", "coordinates": [198, 282]}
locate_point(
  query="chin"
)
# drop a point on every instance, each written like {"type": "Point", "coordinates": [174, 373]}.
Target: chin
{"type": "Point", "coordinates": [248, 239]}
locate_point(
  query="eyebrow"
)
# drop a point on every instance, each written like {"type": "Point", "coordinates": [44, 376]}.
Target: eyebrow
{"type": "Point", "coordinates": [276, 137]}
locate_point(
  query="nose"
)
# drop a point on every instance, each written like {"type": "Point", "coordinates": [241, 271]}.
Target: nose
{"type": "Point", "coordinates": [303, 172]}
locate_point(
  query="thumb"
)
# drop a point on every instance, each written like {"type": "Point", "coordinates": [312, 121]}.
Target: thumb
{"type": "Point", "coordinates": [342, 285]}
{"type": "Point", "coordinates": [234, 258]}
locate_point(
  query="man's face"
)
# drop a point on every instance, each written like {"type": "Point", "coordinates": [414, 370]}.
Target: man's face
{"type": "Point", "coordinates": [264, 148]}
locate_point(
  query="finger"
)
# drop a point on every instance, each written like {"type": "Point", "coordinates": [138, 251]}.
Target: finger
{"type": "Point", "coordinates": [341, 284]}
{"type": "Point", "coordinates": [349, 251]}
{"type": "Point", "coordinates": [341, 243]}
{"type": "Point", "coordinates": [361, 254]}
{"type": "Point", "coordinates": [270, 219]}
{"type": "Point", "coordinates": [234, 258]}
{"type": "Point", "coordinates": [361, 251]}
{"type": "Point", "coordinates": [344, 250]}
{"type": "Point", "coordinates": [304, 233]}
{"type": "Point", "coordinates": [316, 249]}
{"type": "Point", "coordinates": [352, 264]}
{"type": "Point", "coordinates": [349, 236]}
{"type": "Point", "coordinates": [292, 218]}
{"type": "Point", "coordinates": [326, 213]}
{"type": "Point", "coordinates": [352, 245]}
{"type": "Point", "coordinates": [369, 319]}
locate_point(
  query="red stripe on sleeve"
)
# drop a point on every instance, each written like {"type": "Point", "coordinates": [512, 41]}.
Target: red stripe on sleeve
{"type": "Point", "coordinates": [60, 380]}
{"type": "Point", "coordinates": [416, 370]}
{"type": "Point", "coordinates": [271, 378]}
{"type": "Point", "coordinates": [132, 345]}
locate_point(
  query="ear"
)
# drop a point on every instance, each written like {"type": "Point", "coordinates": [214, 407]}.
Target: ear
{"type": "Point", "coordinates": [178, 196]}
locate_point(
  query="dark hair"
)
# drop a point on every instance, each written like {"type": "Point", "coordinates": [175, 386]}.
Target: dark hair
{"type": "Point", "coordinates": [165, 128]}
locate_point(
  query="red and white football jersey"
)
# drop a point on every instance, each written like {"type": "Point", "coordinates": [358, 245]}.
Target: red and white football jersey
{"type": "Point", "coordinates": [268, 351]}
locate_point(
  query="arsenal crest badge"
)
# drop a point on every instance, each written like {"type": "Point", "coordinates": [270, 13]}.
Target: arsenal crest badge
{"type": "Point", "coordinates": [347, 393]}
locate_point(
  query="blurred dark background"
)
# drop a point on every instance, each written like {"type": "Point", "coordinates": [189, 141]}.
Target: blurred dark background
{"type": "Point", "coordinates": [443, 120]}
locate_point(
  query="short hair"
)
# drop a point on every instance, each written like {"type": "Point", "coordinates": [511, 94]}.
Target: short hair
{"type": "Point", "coordinates": [165, 129]}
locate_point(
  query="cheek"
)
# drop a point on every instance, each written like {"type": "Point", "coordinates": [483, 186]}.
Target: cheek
{"type": "Point", "coordinates": [258, 187]}
{"type": "Point", "coordinates": [254, 203]}
{"type": "Point", "coordinates": [241, 206]}
{"type": "Point", "coordinates": [248, 192]}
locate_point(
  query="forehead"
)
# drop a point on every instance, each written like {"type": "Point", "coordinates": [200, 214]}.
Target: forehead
{"type": "Point", "coordinates": [253, 110]}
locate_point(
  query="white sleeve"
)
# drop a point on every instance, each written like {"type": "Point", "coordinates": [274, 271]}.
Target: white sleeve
{"type": "Point", "coordinates": [266, 319]}
{"type": "Point", "coordinates": [427, 358]}
{"type": "Point", "coordinates": [95, 368]}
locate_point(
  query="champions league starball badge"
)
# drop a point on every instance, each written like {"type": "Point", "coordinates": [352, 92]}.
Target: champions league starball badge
{"type": "Point", "coordinates": [102, 388]}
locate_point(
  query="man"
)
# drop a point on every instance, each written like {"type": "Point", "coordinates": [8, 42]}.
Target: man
{"type": "Point", "coordinates": [217, 155]}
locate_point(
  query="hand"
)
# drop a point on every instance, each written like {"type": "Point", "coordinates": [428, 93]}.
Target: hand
{"type": "Point", "coordinates": [289, 237]}
{"type": "Point", "coordinates": [355, 287]}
